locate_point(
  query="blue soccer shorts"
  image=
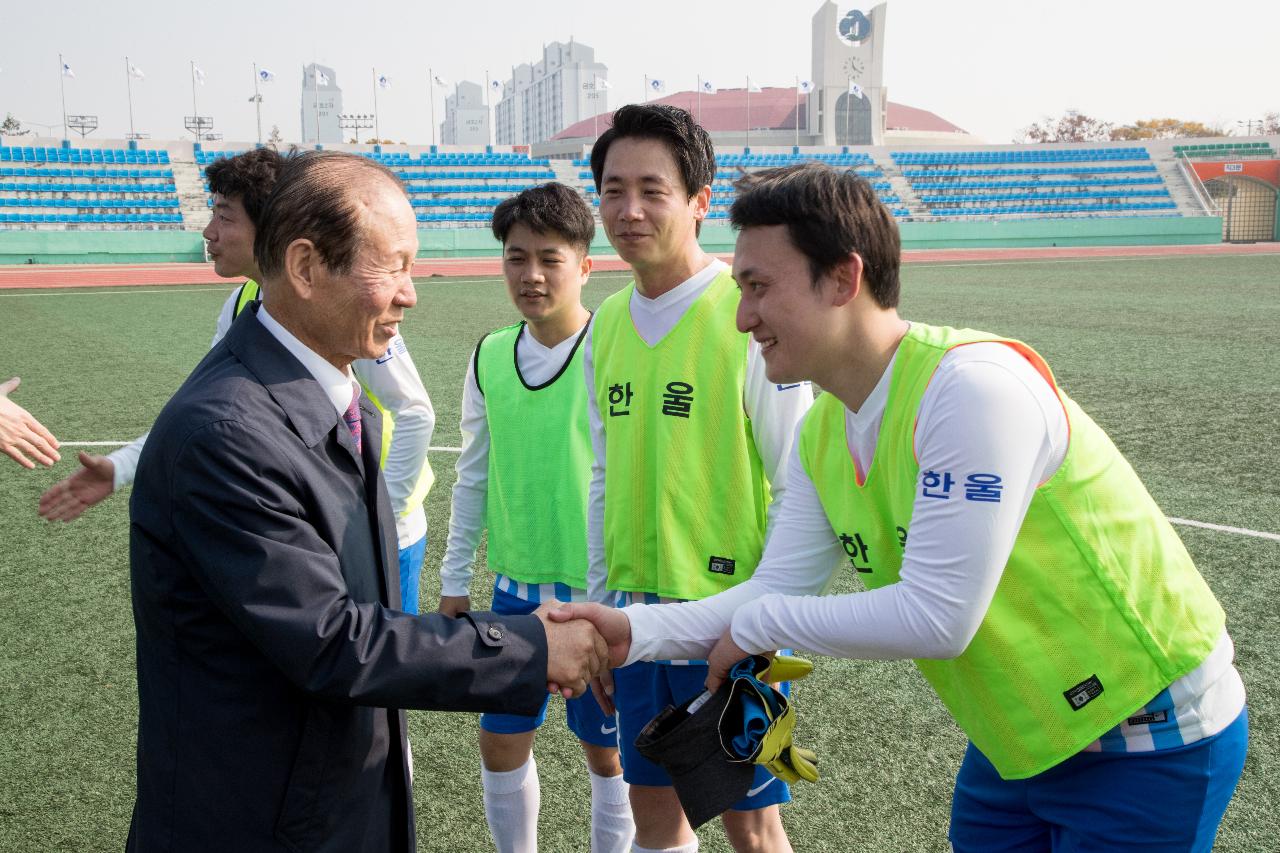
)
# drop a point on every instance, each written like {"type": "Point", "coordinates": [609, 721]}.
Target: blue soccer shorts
{"type": "Point", "coordinates": [1136, 802]}
{"type": "Point", "coordinates": [410, 571]}
{"type": "Point", "coordinates": [585, 718]}
{"type": "Point", "coordinates": [640, 692]}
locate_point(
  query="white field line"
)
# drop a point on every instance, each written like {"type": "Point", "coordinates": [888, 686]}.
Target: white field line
{"type": "Point", "coordinates": [214, 288]}
{"type": "Point", "coordinates": [922, 263]}
{"type": "Point", "coordinates": [1221, 528]}
{"type": "Point", "coordinates": [123, 443]}
{"type": "Point", "coordinates": [208, 288]}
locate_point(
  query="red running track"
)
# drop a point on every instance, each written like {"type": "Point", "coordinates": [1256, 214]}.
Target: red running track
{"type": "Point", "coordinates": [135, 275]}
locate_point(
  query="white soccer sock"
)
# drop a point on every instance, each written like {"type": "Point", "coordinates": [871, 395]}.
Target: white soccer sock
{"type": "Point", "coordinates": [612, 828]}
{"type": "Point", "coordinates": [691, 847]}
{"type": "Point", "coordinates": [511, 802]}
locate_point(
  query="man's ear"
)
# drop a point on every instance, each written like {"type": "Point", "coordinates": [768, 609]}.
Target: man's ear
{"type": "Point", "coordinates": [301, 264]}
{"type": "Point", "coordinates": [702, 203]}
{"type": "Point", "coordinates": [584, 268]}
{"type": "Point", "coordinates": [848, 277]}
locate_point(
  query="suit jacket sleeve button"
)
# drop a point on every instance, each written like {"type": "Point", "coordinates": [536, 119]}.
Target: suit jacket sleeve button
{"type": "Point", "coordinates": [494, 634]}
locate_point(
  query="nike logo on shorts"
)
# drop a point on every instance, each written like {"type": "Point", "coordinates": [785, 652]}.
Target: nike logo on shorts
{"type": "Point", "coordinates": [755, 791]}
{"type": "Point", "coordinates": [605, 730]}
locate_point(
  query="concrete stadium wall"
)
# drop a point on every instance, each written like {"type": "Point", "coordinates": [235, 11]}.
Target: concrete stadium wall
{"type": "Point", "coordinates": [1009, 234]}
{"type": "Point", "coordinates": [153, 247]}
{"type": "Point", "coordinates": [100, 247]}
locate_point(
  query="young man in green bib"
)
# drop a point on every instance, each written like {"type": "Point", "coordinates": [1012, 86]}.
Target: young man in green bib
{"type": "Point", "coordinates": [690, 439]}
{"type": "Point", "coordinates": [1006, 545]}
{"type": "Point", "coordinates": [523, 473]}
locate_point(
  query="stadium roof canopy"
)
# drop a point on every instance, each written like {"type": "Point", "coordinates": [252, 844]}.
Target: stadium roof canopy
{"type": "Point", "coordinates": [772, 108]}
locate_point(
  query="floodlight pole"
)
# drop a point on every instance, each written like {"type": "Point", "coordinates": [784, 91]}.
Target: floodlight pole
{"type": "Point", "coordinates": [355, 122]}
{"type": "Point", "coordinates": [62, 85]}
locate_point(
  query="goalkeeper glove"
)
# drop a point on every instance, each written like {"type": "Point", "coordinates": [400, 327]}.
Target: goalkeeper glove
{"type": "Point", "coordinates": [759, 722]}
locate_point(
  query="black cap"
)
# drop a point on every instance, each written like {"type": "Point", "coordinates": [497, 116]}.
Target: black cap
{"type": "Point", "coordinates": [685, 741]}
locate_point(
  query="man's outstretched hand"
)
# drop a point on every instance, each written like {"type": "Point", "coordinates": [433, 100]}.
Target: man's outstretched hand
{"type": "Point", "coordinates": [67, 499]}
{"type": "Point", "coordinates": [21, 435]}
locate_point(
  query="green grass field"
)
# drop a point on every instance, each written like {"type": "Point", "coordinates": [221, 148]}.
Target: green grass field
{"type": "Point", "coordinates": [1175, 357]}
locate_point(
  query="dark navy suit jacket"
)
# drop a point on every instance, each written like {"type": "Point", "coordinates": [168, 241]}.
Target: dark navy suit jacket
{"type": "Point", "coordinates": [272, 658]}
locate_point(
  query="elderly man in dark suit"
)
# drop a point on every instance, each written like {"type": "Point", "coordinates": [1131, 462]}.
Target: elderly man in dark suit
{"type": "Point", "coordinates": [272, 657]}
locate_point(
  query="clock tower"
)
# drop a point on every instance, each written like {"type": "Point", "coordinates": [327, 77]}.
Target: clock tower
{"type": "Point", "coordinates": [848, 104]}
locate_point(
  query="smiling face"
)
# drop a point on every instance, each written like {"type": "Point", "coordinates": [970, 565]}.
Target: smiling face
{"type": "Point", "coordinates": [355, 315]}
{"type": "Point", "coordinates": [644, 205]}
{"type": "Point", "coordinates": [229, 235]}
{"type": "Point", "coordinates": [790, 319]}
{"type": "Point", "coordinates": [544, 274]}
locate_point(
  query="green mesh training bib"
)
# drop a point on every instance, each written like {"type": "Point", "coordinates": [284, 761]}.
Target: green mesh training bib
{"type": "Point", "coordinates": [1099, 607]}
{"type": "Point", "coordinates": [685, 491]}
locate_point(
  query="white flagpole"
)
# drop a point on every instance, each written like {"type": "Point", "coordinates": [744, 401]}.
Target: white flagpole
{"type": "Point", "coordinates": [195, 108]}
{"type": "Point", "coordinates": [431, 87]}
{"type": "Point", "coordinates": [257, 101]}
{"type": "Point", "coordinates": [62, 84]}
{"type": "Point", "coordinates": [315, 88]}
{"type": "Point", "coordinates": [699, 99]}
{"type": "Point", "coordinates": [797, 121]}
{"type": "Point", "coordinates": [646, 88]}
{"type": "Point", "coordinates": [848, 111]}
{"type": "Point", "coordinates": [376, 134]}
{"type": "Point", "coordinates": [488, 124]}
{"type": "Point", "coordinates": [748, 145]}
{"type": "Point", "coordinates": [128, 85]}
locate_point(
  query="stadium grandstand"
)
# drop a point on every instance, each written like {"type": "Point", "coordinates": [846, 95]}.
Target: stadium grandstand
{"type": "Point", "coordinates": [54, 186]}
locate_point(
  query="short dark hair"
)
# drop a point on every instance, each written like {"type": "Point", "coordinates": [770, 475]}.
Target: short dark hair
{"type": "Point", "coordinates": [249, 176]}
{"type": "Point", "coordinates": [313, 200]}
{"type": "Point", "coordinates": [829, 215]}
{"type": "Point", "coordinates": [548, 209]}
{"type": "Point", "coordinates": [688, 142]}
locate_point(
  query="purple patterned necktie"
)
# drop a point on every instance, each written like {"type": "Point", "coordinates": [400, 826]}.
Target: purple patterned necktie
{"type": "Point", "coordinates": [352, 417]}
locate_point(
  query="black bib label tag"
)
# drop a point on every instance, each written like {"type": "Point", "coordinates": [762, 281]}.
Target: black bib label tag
{"type": "Point", "coordinates": [721, 565]}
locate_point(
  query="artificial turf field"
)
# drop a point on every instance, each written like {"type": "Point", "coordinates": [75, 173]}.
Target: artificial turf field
{"type": "Point", "coordinates": [1175, 357]}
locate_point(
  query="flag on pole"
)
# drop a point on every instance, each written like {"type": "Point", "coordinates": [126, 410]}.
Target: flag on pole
{"type": "Point", "coordinates": [602, 83]}
{"type": "Point", "coordinates": [322, 79]}
{"type": "Point", "coordinates": [195, 69]}
{"type": "Point", "coordinates": [136, 73]}
{"type": "Point", "coordinates": [266, 76]}
{"type": "Point", "coordinates": [66, 70]}
{"type": "Point", "coordinates": [657, 86]}
{"type": "Point", "coordinates": [855, 90]}
{"type": "Point", "coordinates": [442, 82]}
{"type": "Point", "coordinates": [384, 82]}
{"type": "Point", "coordinates": [706, 87]}
{"type": "Point", "coordinates": [806, 86]}
{"type": "Point", "coordinates": [752, 87]}
{"type": "Point", "coordinates": [495, 86]}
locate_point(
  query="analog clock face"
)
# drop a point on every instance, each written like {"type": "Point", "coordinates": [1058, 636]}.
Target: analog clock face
{"type": "Point", "coordinates": [854, 68]}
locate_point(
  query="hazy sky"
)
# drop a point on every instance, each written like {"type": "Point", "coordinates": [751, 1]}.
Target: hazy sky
{"type": "Point", "coordinates": [991, 67]}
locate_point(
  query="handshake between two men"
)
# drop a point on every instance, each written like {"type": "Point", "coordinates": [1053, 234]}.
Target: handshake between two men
{"type": "Point", "coordinates": [586, 640]}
